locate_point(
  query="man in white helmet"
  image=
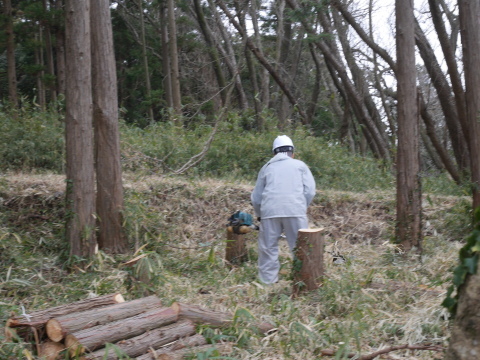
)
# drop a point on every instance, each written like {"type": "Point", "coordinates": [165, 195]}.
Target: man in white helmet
{"type": "Point", "coordinates": [284, 189]}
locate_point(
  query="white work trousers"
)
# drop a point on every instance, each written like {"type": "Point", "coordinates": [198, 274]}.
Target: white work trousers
{"type": "Point", "coordinates": [268, 236]}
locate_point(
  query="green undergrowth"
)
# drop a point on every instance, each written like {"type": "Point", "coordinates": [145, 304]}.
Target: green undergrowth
{"type": "Point", "coordinates": [31, 140]}
{"type": "Point", "coordinates": [376, 297]}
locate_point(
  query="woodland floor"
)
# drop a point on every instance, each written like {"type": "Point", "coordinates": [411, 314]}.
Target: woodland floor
{"type": "Point", "coordinates": [376, 299]}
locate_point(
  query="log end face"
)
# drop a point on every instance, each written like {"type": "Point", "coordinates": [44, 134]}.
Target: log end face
{"type": "Point", "coordinates": [51, 350]}
{"type": "Point", "coordinates": [118, 298]}
{"type": "Point", "coordinates": [73, 345]}
{"type": "Point", "coordinates": [176, 307]}
{"type": "Point", "coordinates": [54, 330]}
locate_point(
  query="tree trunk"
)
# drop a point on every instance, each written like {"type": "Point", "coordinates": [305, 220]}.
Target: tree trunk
{"type": "Point", "coordinates": [464, 344]}
{"type": "Point", "coordinates": [469, 23]}
{"type": "Point", "coordinates": [212, 51]}
{"type": "Point", "coordinates": [235, 248]}
{"type": "Point", "coordinates": [80, 194]}
{"type": "Point", "coordinates": [167, 72]}
{"type": "Point", "coordinates": [175, 72]}
{"type": "Point", "coordinates": [39, 318]}
{"type": "Point", "coordinates": [453, 68]}
{"type": "Point", "coordinates": [376, 141]}
{"type": "Point", "coordinates": [94, 338]}
{"type": "Point", "coordinates": [187, 342]}
{"type": "Point", "coordinates": [58, 327]}
{"type": "Point", "coordinates": [141, 344]}
{"type": "Point", "coordinates": [49, 54]}
{"type": "Point", "coordinates": [308, 265]}
{"type": "Point", "coordinates": [440, 150]}
{"type": "Point", "coordinates": [11, 63]}
{"type": "Point", "coordinates": [409, 196]}
{"type": "Point", "coordinates": [444, 93]}
{"type": "Point", "coordinates": [229, 55]}
{"type": "Point", "coordinates": [40, 74]}
{"type": "Point", "coordinates": [60, 53]}
{"type": "Point", "coordinates": [261, 58]}
{"type": "Point", "coordinates": [111, 237]}
{"type": "Point", "coordinates": [148, 87]}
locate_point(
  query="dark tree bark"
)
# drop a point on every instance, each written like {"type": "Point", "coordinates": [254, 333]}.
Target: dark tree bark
{"type": "Point", "coordinates": [111, 237]}
{"type": "Point", "coordinates": [80, 194]}
{"type": "Point", "coordinates": [408, 221]}
{"type": "Point", "coordinates": [11, 64]}
{"type": "Point", "coordinates": [444, 93]}
{"type": "Point", "coordinates": [450, 59]}
{"type": "Point", "coordinates": [167, 79]}
{"type": "Point", "coordinates": [376, 140]}
{"type": "Point", "coordinates": [261, 58]}
{"type": "Point", "coordinates": [60, 52]}
{"type": "Point", "coordinates": [49, 54]}
{"type": "Point", "coordinates": [469, 24]}
{"type": "Point", "coordinates": [228, 55]}
{"type": "Point", "coordinates": [212, 51]}
{"type": "Point", "coordinates": [146, 71]}
{"type": "Point", "coordinates": [174, 66]}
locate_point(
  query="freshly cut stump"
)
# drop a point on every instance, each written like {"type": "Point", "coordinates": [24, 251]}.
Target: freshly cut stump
{"type": "Point", "coordinates": [235, 249]}
{"type": "Point", "coordinates": [308, 263]}
{"type": "Point", "coordinates": [57, 328]}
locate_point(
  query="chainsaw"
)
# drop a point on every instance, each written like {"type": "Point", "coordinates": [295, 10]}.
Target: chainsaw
{"type": "Point", "coordinates": [241, 223]}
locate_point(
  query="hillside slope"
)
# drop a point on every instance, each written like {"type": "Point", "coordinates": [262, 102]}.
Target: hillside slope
{"type": "Point", "coordinates": [376, 298]}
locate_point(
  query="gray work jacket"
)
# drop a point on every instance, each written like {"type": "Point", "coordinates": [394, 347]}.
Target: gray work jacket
{"type": "Point", "coordinates": [284, 188]}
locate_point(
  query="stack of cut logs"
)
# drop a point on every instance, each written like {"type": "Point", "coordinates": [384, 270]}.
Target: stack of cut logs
{"type": "Point", "coordinates": [108, 327]}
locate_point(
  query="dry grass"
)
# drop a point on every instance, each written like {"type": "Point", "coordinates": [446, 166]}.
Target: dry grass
{"type": "Point", "coordinates": [376, 298]}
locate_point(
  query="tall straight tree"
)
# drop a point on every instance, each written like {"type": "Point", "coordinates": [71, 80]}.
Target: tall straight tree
{"type": "Point", "coordinates": [11, 67]}
{"type": "Point", "coordinates": [109, 203]}
{"type": "Point", "coordinates": [464, 342]}
{"type": "Point", "coordinates": [174, 67]}
{"type": "Point", "coordinates": [80, 195]}
{"type": "Point", "coordinates": [409, 196]}
{"type": "Point", "coordinates": [469, 22]}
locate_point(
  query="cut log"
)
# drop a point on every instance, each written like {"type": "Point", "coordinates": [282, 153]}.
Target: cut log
{"type": "Point", "coordinates": [308, 262]}
{"type": "Point", "coordinates": [39, 318]}
{"type": "Point", "coordinates": [139, 345]}
{"type": "Point", "coordinates": [51, 350]}
{"type": "Point", "coordinates": [223, 349]}
{"type": "Point", "coordinates": [188, 342]}
{"type": "Point", "coordinates": [57, 328]}
{"type": "Point", "coordinates": [236, 248]}
{"type": "Point", "coordinates": [96, 337]}
{"type": "Point", "coordinates": [201, 315]}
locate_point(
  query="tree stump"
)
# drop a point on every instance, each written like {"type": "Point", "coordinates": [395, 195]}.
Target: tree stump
{"type": "Point", "coordinates": [236, 248]}
{"type": "Point", "coordinates": [308, 267]}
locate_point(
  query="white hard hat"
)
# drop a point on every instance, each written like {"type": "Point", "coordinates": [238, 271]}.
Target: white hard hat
{"type": "Point", "coordinates": [281, 141]}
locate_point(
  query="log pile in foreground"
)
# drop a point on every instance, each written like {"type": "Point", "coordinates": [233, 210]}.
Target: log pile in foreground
{"type": "Point", "coordinates": [108, 327]}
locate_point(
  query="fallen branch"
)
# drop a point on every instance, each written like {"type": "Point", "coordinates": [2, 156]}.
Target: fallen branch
{"type": "Point", "coordinates": [328, 352]}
